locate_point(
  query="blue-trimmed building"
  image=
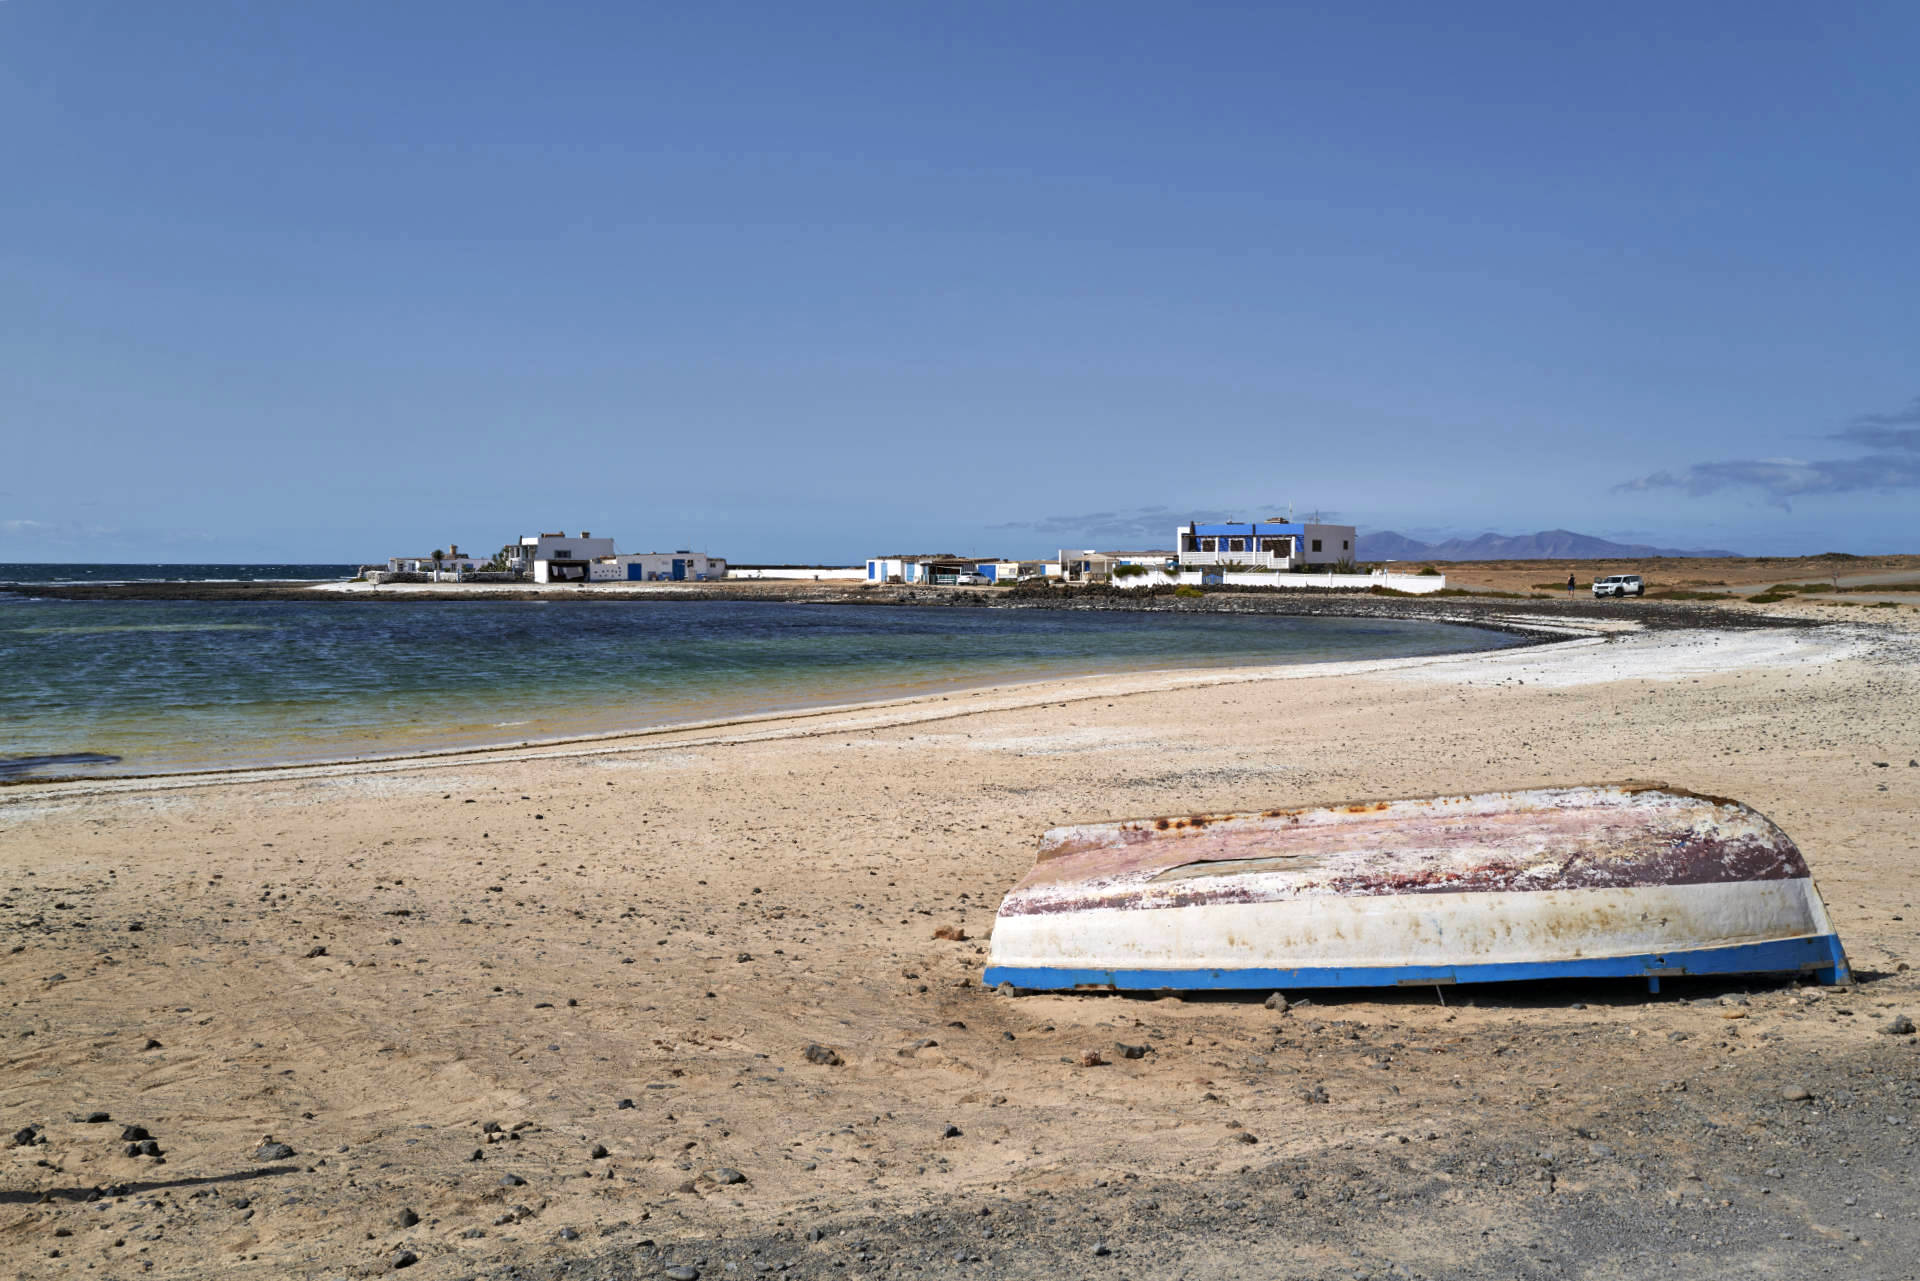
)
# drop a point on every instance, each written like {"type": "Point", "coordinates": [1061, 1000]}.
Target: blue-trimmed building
{"type": "Point", "coordinates": [939, 570]}
{"type": "Point", "coordinates": [1266, 544]}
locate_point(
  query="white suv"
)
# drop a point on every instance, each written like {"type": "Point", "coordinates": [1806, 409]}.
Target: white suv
{"type": "Point", "coordinates": [1619, 585]}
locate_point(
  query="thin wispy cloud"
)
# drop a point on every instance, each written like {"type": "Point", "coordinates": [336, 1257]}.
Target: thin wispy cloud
{"type": "Point", "coordinates": [1893, 464]}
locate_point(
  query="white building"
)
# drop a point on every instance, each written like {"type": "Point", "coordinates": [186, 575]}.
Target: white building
{"type": "Point", "coordinates": [658, 567]}
{"type": "Point", "coordinates": [556, 558]}
{"type": "Point", "coordinates": [943, 570]}
{"type": "Point", "coordinates": [1091, 566]}
{"type": "Point", "coordinates": [453, 560]}
{"type": "Point", "coordinates": [1266, 544]}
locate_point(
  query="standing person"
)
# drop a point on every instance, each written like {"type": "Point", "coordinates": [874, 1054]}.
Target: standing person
{"type": "Point", "coordinates": [1569, 584]}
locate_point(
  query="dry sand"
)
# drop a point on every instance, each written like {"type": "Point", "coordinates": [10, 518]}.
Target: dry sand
{"type": "Point", "coordinates": [372, 966]}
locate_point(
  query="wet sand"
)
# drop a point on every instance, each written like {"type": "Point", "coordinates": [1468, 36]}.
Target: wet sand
{"type": "Point", "coordinates": [375, 965]}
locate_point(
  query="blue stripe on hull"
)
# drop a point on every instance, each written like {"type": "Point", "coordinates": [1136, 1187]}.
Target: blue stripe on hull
{"type": "Point", "coordinates": [1819, 956]}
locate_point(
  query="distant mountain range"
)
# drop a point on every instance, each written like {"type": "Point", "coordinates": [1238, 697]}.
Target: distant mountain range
{"type": "Point", "coordinates": [1548, 544]}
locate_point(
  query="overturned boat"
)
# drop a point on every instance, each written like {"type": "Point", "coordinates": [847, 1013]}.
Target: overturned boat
{"type": "Point", "coordinates": [1620, 880]}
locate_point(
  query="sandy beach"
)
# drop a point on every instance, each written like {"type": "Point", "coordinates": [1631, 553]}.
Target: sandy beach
{"type": "Point", "coordinates": [547, 1012]}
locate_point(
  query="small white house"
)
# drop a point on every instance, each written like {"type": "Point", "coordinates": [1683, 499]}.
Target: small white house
{"type": "Point", "coordinates": [453, 561]}
{"type": "Point", "coordinates": [1091, 566]}
{"type": "Point", "coordinates": [943, 570]}
{"type": "Point", "coordinates": [557, 558]}
{"type": "Point", "coordinates": [658, 567]}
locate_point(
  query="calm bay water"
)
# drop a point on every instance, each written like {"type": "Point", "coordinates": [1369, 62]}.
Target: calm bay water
{"type": "Point", "coordinates": [183, 685]}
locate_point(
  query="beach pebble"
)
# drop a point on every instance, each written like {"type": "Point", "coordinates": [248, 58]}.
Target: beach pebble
{"type": "Point", "coordinates": [1796, 1093]}
{"type": "Point", "coordinates": [951, 1132]}
{"type": "Point", "coordinates": [1277, 1002]}
{"type": "Point", "coordinates": [951, 933]}
{"type": "Point", "coordinates": [1101, 1251]}
{"type": "Point", "coordinates": [405, 1219]}
{"type": "Point", "coordinates": [512, 1181]}
{"type": "Point", "coordinates": [599, 1152]}
{"type": "Point", "coordinates": [316, 951]}
{"type": "Point", "coordinates": [271, 1151]}
{"type": "Point", "coordinates": [151, 1044]}
{"type": "Point", "coordinates": [98, 1118]}
{"type": "Point", "coordinates": [623, 1104]}
{"type": "Point", "coordinates": [823, 1056]}
{"type": "Point", "coordinates": [726, 1176]}
{"type": "Point", "coordinates": [681, 1273]}
{"type": "Point", "coordinates": [1092, 1059]}
{"type": "Point", "coordinates": [1126, 1051]}
{"type": "Point", "coordinates": [567, 1234]}
{"type": "Point", "coordinates": [403, 1259]}
{"type": "Point", "coordinates": [1899, 1025]}
{"type": "Point", "coordinates": [133, 1133]}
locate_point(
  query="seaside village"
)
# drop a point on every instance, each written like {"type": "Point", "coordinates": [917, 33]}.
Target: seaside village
{"type": "Point", "coordinates": [1269, 553]}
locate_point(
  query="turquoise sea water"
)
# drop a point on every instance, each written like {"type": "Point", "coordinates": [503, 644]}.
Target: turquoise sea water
{"type": "Point", "coordinates": [169, 686]}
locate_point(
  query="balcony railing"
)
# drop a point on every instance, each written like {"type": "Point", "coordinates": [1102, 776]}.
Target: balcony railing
{"type": "Point", "coordinates": [1265, 560]}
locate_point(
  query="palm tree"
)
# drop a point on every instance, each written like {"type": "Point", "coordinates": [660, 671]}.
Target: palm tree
{"type": "Point", "coordinates": [438, 556]}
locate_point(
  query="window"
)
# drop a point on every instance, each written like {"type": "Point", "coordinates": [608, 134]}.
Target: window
{"type": "Point", "coordinates": [563, 553]}
{"type": "Point", "coordinates": [1206, 544]}
{"type": "Point", "coordinates": [1316, 544]}
{"type": "Point", "coordinates": [1236, 544]}
{"type": "Point", "coordinates": [1343, 545]}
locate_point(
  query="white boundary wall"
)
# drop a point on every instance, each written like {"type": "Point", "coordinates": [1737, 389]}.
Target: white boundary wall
{"type": "Point", "coordinates": [857, 573]}
{"type": "Point", "coordinates": [1415, 584]}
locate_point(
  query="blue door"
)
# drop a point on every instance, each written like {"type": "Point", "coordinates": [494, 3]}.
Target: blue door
{"type": "Point", "coordinates": [679, 570]}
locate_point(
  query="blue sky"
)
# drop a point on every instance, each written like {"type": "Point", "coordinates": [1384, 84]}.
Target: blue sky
{"type": "Point", "coordinates": [336, 281]}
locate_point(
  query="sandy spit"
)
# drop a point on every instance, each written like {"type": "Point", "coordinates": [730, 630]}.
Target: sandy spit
{"type": "Point", "coordinates": [439, 983]}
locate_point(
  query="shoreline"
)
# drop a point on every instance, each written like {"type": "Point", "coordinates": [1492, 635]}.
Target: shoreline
{"type": "Point", "coordinates": [921, 709]}
{"type": "Point", "coordinates": [621, 951]}
{"type": "Point", "coordinates": [1009, 694]}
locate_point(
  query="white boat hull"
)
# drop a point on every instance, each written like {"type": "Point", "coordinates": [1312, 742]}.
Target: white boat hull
{"type": "Point", "coordinates": [1356, 896]}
